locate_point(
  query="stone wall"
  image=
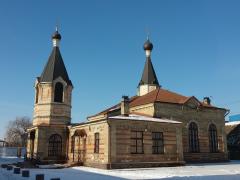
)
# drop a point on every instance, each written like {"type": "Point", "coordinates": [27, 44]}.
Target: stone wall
{"type": "Point", "coordinates": [146, 109]}
{"type": "Point", "coordinates": [46, 111]}
{"type": "Point", "coordinates": [203, 117]}
{"type": "Point", "coordinates": [90, 157]}
{"type": "Point", "coordinates": [41, 142]}
{"type": "Point", "coordinates": [121, 156]}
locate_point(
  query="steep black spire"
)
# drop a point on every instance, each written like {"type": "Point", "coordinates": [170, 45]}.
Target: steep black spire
{"type": "Point", "coordinates": [149, 75]}
{"type": "Point", "coordinates": [55, 66]}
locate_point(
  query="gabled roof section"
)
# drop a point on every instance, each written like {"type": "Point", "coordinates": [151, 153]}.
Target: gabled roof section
{"type": "Point", "coordinates": [113, 108]}
{"type": "Point", "coordinates": [159, 95]}
{"type": "Point", "coordinates": [193, 102]}
{"type": "Point", "coordinates": [149, 75]}
{"type": "Point", "coordinates": [55, 68]}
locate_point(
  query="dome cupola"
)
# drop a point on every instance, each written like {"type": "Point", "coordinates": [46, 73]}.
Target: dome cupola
{"type": "Point", "coordinates": [148, 45]}
{"type": "Point", "coordinates": [56, 35]}
{"type": "Point", "coordinates": [56, 38]}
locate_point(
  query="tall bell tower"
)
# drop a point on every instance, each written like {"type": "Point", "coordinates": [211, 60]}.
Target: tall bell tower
{"type": "Point", "coordinates": [48, 137]}
{"type": "Point", "coordinates": [53, 90]}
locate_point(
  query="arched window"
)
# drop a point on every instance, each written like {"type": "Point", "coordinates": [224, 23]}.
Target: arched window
{"type": "Point", "coordinates": [213, 142]}
{"type": "Point", "coordinates": [58, 93]}
{"type": "Point", "coordinates": [193, 137]}
{"type": "Point", "coordinates": [36, 96]}
{"type": "Point", "coordinates": [55, 146]}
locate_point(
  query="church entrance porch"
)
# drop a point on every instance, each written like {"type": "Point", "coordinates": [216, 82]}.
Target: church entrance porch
{"type": "Point", "coordinates": [78, 143]}
{"type": "Point", "coordinates": [47, 144]}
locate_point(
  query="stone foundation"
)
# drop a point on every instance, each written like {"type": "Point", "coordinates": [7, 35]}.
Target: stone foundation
{"type": "Point", "coordinates": [135, 165]}
{"type": "Point", "coordinates": [205, 157]}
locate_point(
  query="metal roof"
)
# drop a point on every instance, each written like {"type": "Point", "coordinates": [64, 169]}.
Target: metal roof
{"type": "Point", "coordinates": [149, 75]}
{"type": "Point", "coordinates": [55, 68]}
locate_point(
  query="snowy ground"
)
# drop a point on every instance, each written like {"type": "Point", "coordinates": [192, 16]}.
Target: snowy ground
{"type": "Point", "coordinates": [220, 171]}
{"type": "Point", "coordinates": [10, 159]}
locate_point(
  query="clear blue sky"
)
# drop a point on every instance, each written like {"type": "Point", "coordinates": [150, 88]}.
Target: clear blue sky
{"type": "Point", "coordinates": [196, 50]}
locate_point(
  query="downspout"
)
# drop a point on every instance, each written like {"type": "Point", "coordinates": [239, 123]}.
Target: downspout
{"type": "Point", "coordinates": [110, 145]}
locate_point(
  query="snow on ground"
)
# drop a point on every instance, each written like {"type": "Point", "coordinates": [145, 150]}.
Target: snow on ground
{"type": "Point", "coordinates": [10, 159]}
{"type": "Point", "coordinates": [218, 171]}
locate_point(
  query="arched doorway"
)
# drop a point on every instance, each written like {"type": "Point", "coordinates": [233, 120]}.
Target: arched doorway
{"type": "Point", "coordinates": [32, 139]}
{"type": "Point", "coordinates": [78, 146]}
{"type": "Point", "coordinates": [55, 146]}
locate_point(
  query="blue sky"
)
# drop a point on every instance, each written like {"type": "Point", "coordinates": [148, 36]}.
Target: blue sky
{"type": "Point", "coordinates": [196, 50]}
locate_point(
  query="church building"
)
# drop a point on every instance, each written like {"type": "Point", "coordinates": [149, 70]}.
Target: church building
{"type": "Point", "coordinates": [156, 127]}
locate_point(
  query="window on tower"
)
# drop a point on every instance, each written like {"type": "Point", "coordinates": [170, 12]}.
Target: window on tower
{"type": "Point", "coordinates": [58, 93]}
{"type": "Point", "coordinates": [36, 98]}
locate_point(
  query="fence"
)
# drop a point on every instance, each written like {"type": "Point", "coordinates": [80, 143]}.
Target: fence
{"type": "Point", "coordinates": [12, 151]}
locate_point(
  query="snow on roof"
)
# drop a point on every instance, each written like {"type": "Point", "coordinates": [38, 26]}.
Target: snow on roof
{"type": "Point", "coordinates": [144, 118]}
{"type": "Point", "coordinates": [233, 123]}
{"type": "Point", "coordinates": [113, 109]}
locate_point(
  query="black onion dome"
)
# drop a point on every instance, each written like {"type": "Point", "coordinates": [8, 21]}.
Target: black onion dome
{"type": "Point", "coordinates": [56, 35]}
{"type": "Point", "coordinates": [148, 45]}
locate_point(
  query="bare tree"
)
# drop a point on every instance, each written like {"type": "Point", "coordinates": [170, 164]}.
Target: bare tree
{"type": "Point", "coordinates": [16, 133]}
